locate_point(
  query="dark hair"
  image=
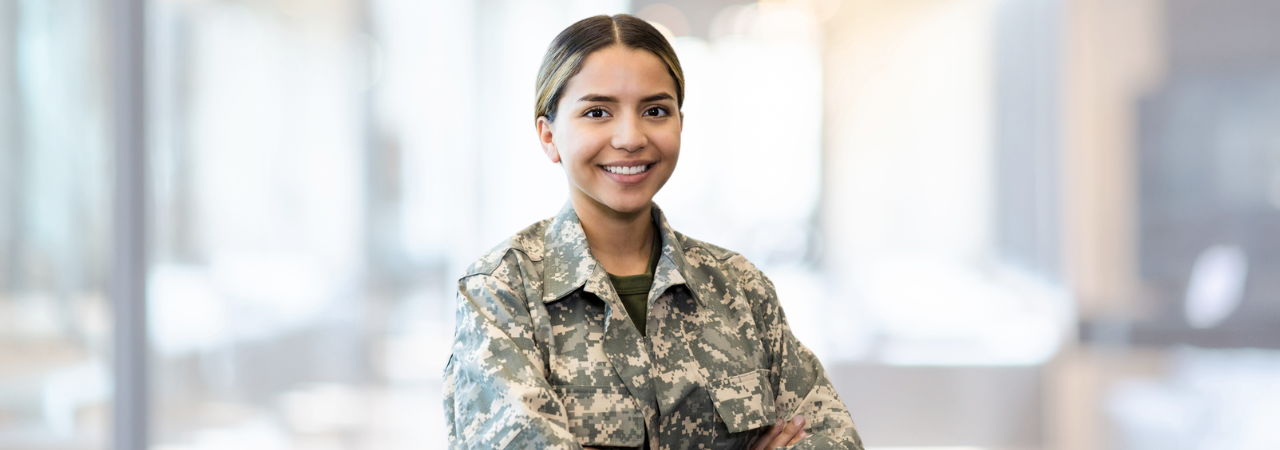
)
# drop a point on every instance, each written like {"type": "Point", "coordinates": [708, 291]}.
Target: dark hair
{"type": "Point", "coordinates": [571, 47]}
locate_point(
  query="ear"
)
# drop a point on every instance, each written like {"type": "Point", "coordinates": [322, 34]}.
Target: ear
{"type": "Point", "coordinates": [546, 139]}
{"type": "Point", "coordinates": [681, 121]}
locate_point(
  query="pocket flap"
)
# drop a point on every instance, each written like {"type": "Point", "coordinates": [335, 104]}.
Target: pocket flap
{"type": "Point", "coordinates": [603, 416]}
{"type": "Point", "coordinates": [744, 402]}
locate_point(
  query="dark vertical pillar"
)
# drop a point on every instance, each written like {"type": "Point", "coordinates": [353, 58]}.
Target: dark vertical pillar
{"type": "Point", "coordinates": [129, 251]}
{"type": "Point", "coordinates": [380, 230]}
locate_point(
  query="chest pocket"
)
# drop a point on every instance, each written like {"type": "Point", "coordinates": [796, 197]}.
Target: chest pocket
{"type": "Point", "coordinates": [743, 402]}
{"type": "Point", "coordinates": [603, 416]}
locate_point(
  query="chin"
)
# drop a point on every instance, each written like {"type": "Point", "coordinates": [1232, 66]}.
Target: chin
{"type": "Point", "coordinates": [628, 206]}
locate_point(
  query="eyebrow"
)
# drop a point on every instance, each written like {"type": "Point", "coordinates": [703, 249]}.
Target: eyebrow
{"type": "Point", "coordinates": [607, 99]}
{"type": "Point", "coordinates": [656, 97]}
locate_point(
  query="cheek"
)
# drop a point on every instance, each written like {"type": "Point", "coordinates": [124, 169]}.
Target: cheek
{"type": "Point", "coordinates": [668, 142]}
{"type": "Point", "coordinates": [581, 145]}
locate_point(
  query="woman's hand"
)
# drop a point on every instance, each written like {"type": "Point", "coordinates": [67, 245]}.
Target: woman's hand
{"type": "Point", "coordinates": [781, 434]}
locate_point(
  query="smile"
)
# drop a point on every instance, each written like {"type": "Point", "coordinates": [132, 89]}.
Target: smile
{"type": "Point", "coordinates": [628, 170]}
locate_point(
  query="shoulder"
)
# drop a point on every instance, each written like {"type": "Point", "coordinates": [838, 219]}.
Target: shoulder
{"type": "Point", "coordinates": [714, 261]}
{"type": "Point", "coordinates": [703, 252]}
{"type": "Point", "coordinates": [527, 245]}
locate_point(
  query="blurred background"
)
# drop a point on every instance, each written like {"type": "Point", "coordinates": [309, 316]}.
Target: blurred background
{"type": "Point", "coordinates": [1001, 224]}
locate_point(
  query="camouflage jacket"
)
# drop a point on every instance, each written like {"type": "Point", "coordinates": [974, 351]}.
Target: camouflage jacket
{"type": "Point", "coordinates": [545, 356]}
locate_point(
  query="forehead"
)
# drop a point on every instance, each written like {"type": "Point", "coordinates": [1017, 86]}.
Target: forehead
{"type": "Point", "coordinates": [621, 71]}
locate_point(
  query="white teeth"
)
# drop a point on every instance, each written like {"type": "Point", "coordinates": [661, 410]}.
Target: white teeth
{"type": "Point", "coordinates": [627, 170]}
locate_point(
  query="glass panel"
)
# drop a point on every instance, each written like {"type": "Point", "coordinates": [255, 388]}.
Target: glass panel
{"type": "Point", "coordinates": [260, 327]}
{"type": "Point", "coordinates": [917, 213]}
{"type": "Point", "coordinates": [54, 223]}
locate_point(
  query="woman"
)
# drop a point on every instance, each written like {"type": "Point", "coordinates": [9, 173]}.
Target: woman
{"type": "Point", "coordinates": [602, 326]}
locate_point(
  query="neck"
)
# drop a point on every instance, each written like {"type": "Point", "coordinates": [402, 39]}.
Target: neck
{"type": "Point", "coordinates": [621, 242]}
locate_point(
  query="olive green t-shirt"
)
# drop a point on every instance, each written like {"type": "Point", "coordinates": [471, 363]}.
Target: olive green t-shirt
{"type": "Point", "coordinates": [633, 290]}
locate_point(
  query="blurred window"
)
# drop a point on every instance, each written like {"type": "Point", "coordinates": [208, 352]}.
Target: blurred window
{"type": "Point", "coordinates": [939, 192]}
{"type": "Point", "coordinates": [55, 162]}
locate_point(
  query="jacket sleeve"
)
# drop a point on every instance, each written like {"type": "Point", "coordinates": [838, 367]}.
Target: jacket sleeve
{"type": "Point", "coordinates": [496, 395]}
{"type": "Point", "coordinates": [800, 384]}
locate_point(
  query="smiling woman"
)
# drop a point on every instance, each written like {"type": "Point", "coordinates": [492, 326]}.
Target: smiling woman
{"type": "Point", "coordinates": [602, 326]}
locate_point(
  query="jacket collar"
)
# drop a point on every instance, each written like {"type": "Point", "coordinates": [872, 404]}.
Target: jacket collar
{"type": "Point", "coordinates": [570, 265]}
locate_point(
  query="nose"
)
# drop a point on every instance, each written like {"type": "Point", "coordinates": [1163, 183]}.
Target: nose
{"type": "Point", "coordinates": [629, 135]}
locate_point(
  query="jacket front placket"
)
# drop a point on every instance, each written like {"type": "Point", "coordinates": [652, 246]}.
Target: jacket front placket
{"type": "Point", "coordinates": [626, 350]}
{"type": "Point", "coordinates": [570, 265]}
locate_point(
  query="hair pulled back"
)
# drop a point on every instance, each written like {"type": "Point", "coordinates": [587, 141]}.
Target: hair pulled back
{"type": "Point", "coordinates": [571, 47]}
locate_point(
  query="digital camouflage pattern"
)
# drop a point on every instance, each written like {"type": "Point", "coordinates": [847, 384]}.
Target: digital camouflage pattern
{"type": "Point", "coordinates": [545, 356]}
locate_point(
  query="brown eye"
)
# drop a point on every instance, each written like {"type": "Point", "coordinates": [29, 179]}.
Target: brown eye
{"type": "Point", "coordinates": [595, 113]}
{"type": "Point", "coordinates": [656, 111]}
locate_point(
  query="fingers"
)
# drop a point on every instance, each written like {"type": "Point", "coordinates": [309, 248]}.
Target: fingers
{"type": "Point", "coordinates": [801, 435]}
{"type": "Point", "coordinates": [763, 441]}
{"type": "Point", "coordinates": [789, 433]}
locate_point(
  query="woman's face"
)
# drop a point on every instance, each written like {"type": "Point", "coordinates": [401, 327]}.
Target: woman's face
{"type": "Point", "coordinates": [617, 130]}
